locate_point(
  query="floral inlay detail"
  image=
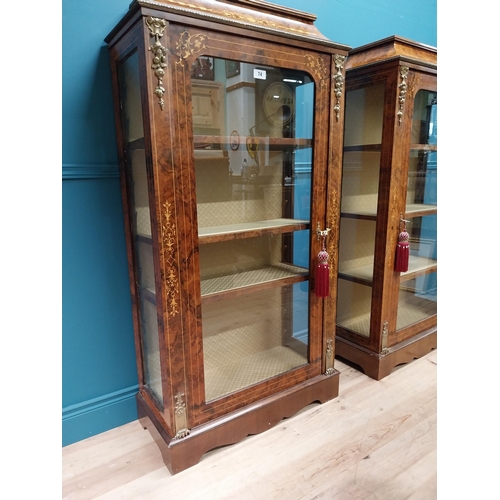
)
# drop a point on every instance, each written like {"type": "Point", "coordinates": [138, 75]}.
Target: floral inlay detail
{"type": "Point", "coordinates": [171, 279]}
{"type": "Point", "coordinates": [332, 219]}
{"type": "Point", "coordinates": [317, 66]}
{"type": "Point", "coordinates": [188, 45]}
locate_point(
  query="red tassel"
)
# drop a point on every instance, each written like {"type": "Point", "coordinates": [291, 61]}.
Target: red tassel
{"type": "Point", "coordinates": [402, 252]}
{"type": "Point", "coordinates": [322, 287]}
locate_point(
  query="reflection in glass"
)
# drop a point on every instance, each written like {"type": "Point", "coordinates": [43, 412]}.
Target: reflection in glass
{"type": "Point", "coordinates": [253, 159]}
{"type": "Point", "coordinates": [141, 224]}
{"type": "Point", "coordinates": [363, 122]}
{"type": "Point", "coordinates": [418, 289]}
{"type": "Point", "coordinates": [360, 180]}
{"type": "Point", "coordinates": [359, 206]}
{"type": "Point", "coordinates": [422, 174]}
{"type": "Point", "coordinates": [354, 306]}
{"type": "Point", "coordinates": [356, 248]}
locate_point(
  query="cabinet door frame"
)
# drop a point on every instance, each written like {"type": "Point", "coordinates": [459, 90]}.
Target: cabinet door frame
{"type": "Point", "coordinates": [418, 79]}
{"type": "Point", "coordinates": [174, 181]}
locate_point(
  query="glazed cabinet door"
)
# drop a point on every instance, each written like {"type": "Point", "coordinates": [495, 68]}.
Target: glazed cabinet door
{"type": "Point", "coordinates": [417, 299]}
{"type": "Point", "coordinates": [142, 231]}
{"type": "Point", "coordinates": [360, 206]}
{"type": "Point", "coordinates": [230, 150]}
{"type": "Point", "coordinates": [257, 174]}
{"type": "Point", "coordinates": [254, 218]}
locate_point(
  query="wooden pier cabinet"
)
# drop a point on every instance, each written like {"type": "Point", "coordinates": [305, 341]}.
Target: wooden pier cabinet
{"type": "Point", "coordinates": [386, 317]}
{"type": "Point", "coordinates": [230, 118]}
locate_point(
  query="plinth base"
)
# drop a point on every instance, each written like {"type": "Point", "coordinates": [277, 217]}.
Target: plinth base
{"type": "Point", "coordinates": [378, 366]}
{"type": "Point", "coordinates": [182, 453]}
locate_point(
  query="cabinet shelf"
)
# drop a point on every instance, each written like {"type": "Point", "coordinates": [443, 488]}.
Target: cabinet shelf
{"type": "Point", "coordinates": [417, 266]}
{"type": "Point", "coordinates": [210, 156]}
{"type": "Point", "coordinates": [136, 144]}
{"type": "Point", "coordinates": [205, 145]}
{"type": "Point", "coordinates": [412, 210]}
{"type": "Point", "coordinates": [365, 215]}
{"type": "Point", "coordinates": [144, 238]}
{"type": "Point", "coordinates": [363, 147]}
{"type": "Point", "coordinates": [423, 147]}
{"type": "Point", "coordinates": [214, 234]}
{"type": "Point", "coordinates": [231, 375]}
{"type": "Point", "coordinates": [245, 281]}
{"type": "Point", "coordinates": [419, 210]}
{"type": "Point", "coordinates": [409, 313]}
{"type": "Point", "coordinates": [150, 295]}
{"type": "Point", "coordinates": [206, 142]}
{"type": "Point", "coordinates": [361, 274]}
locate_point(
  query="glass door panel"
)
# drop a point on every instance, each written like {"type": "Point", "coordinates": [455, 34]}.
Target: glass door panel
{"type": "Point", "coordinates": [360, 178]}
{"type": "Point", "coordinates": [360, 185]}
{"type": "Point", "coordinates": [138, 195]}
{"type": "Point", "coordinates": [424, 124]}
{"type": "Point", "coordinates": [363, 123]}
{"type": "Point", "coordinates": [253, 160]}
{"type": "Point", "coordinates": [417, 299]}
{"type": "Point", "coordinates": [418, 289]}
{"type": "Point", "coordinates": [356, 249]}
{"type": "Point", "coordinates": [422, 181]}
{"type": "Point", "coordinates": [354, 307]}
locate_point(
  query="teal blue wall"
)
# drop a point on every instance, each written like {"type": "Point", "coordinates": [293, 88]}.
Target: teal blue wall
{"type": "Point", "coordinates": [99, 377]}
{"type": "Point", "coordinates": [357, 22]}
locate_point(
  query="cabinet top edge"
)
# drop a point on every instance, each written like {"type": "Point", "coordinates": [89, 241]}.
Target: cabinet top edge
{"type": "Point", "coordinates": [273, 8]}
{"type": "Point", "coordinates": [393, 47]}
{"type": "Point", "coordinates": [256, 15]}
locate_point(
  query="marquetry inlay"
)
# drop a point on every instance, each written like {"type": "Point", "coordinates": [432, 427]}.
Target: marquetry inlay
{"type": "Point", "coordinates": [317, 66]}
{"type": "Point", "coordinates": [249, 19]}
{"type": "Point", "coordinates": [413, 83]}
{"type": "Point", "coordinates": [169, 236]}
{"type": "Point", "coordinates": [332, 219]}
{"type": "Point", "coordinates": [394, 225]}
{"type": "Point", "coordinates": [233, 15]}
{"type": "Point", "coordinates": [189, 45]}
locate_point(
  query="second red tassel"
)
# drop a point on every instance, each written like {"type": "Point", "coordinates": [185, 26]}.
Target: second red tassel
{"type": "Point", "coordinates": [322, 288]}
{"type": "Point", "coordinates": [402, 251]}
{"type": "Point", "coordinates": [322, 285]}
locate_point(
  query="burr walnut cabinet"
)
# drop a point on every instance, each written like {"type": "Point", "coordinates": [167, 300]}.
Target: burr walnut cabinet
{"type": "Point", "coordinates": [230, 118]}
{"type": "Point", "coordinates": [386, 317]}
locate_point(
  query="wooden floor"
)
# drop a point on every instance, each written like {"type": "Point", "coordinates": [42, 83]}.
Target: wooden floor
{"type": "Point", "coordinates": [376, 441]}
